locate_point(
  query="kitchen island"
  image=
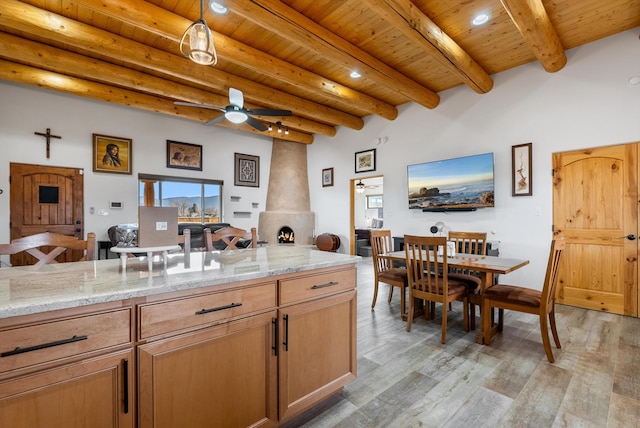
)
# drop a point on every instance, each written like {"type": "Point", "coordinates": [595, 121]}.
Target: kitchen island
{"type": "Point", "coordinates": [241, 338]}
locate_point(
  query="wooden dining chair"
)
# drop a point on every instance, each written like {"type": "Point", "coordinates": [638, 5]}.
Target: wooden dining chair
{"type": "Point", "coordinates": [428, 277]}
{"type": "Point", "coordinates": [49, 247]}
{"type": "Point", "coordinates": [185, 241]}
{"type": "Point", "coordinates": [469, 243]}
{"type": "Point", "coordinates": [229, 238]}
{"type": "Point", "coordinates": [521, 299]}
{"type": "Point", "coordinates": [384, 269]}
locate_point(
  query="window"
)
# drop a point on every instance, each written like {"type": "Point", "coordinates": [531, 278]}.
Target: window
{"type": "Point", "coordinates": [374, 201]}
{"type": "Point", "coordinates": [197, 200]}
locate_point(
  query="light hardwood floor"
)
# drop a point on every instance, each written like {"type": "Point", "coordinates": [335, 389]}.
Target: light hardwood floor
{"type": "Point", "coordinates": [412, 380]}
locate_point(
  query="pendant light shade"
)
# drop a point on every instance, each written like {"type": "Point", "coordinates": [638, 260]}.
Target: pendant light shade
{"type": "Point", "coordinates": [200, 42]}
{"type": "Point", "coordinates": [360, 187]}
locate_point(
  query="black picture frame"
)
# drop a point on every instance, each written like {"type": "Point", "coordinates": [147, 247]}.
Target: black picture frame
{"type": "Point", "coordinates": [246, 170]}
{"type": "Point", "coordinates": [184, 155]}
{"type": "Point", "coordinates": [365, 161]}
{"type": "Point", "coordinates": [521, 170]}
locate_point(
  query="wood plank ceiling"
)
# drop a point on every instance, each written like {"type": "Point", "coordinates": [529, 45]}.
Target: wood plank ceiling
{"type": "Point", "coordinates": [293, 54]}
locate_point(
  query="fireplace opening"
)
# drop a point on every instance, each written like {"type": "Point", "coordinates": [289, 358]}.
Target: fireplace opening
{"type": "Point", "coordinates": [285, 236]}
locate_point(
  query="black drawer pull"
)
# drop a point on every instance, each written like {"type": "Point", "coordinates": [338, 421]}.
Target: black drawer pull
{"type": "Point", "coordinates": [20, 350]}
{"type": "Point", "coordinates": [221, 308]}
{"type": "Point", "coordinates": [328, 284]}
{"type": "Point", "coordinates": [125, 372]}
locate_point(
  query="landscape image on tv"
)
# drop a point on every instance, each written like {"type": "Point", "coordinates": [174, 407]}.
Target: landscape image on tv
{"type": "Point", "coordinates": [460, 183]}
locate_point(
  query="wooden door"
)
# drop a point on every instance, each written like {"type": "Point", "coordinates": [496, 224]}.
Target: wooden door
{"type": "Point", "coordinates": [595, 208]}
{"type": "Point", "coordinates": [86, 394]}
{"type": "Point", "coordinates": [317, 351]}
{"type": "Point", "coordinates": [46, 199]}
{"type": "Point", "coordinates": [223, 376]}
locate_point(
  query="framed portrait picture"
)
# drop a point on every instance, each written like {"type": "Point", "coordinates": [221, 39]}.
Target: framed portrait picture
{"type": "Point", "coordinates": [184, 155]}
{"type": "Point", "coordinates": [521, 170]}
{"type": "Point", "coordinates": [247, 170]}
{"type": "Point", "coordinates": [327, 177]}
{"type": "Point", "coordinates": [112, 154]}
{"type": "Point", "coordinates": [366, 160]}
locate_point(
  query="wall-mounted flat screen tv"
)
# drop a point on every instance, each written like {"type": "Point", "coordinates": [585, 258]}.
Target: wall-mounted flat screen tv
{"type": "Point", "coordinates": [460, 184]}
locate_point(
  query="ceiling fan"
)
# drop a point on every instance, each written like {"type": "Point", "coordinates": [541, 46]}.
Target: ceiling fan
{"type": "Point", "coordinates": [236, 113]}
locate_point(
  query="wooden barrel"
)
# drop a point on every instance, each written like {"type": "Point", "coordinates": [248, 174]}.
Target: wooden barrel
{"type": "Point", "coordinates": [328, 242]}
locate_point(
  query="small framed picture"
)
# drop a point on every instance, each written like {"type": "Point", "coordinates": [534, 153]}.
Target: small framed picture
{"type": "Point", "coordinates": [521, 170]}
{"type": "Point", "coordinates": [184, 155]}
{"type": "Point", "coordinates": [112, 154]}
{"type": "Point", "coordinates": [247, 170]}
{"type": "Point", "coordinates": [327, 177]}
{"type": "Point", "coordinates": [366, 160]}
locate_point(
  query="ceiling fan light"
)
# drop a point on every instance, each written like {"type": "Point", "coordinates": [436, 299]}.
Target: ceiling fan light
{"type": "Point", "coordinates": [360, 187]}
{"type": "Point", "coordinates": [236, 116]}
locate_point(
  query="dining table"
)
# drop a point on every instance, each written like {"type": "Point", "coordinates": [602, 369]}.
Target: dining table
{"type": "Point", "coordinates": [486, 266]}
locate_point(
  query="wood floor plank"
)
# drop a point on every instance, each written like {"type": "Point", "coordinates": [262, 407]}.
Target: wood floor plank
{"type": "Point", "coordinates": [412, 380]}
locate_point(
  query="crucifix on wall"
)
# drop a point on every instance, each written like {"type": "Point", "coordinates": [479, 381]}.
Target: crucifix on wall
{"type": "Point", "coordinates": [48, 136]}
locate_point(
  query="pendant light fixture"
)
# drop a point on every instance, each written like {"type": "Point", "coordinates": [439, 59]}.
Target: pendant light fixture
{"type": "Point", "coordinates": [360, 187]}
{"type": "Point", "coordinates": [201, 48]}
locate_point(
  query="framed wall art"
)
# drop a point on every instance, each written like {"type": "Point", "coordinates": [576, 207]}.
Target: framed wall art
{"type": "Point", "coordinates": [112, 154]}
{"type": "Point", "coordinates": [327, 177]}
{"type": "Point", "coordinates": [366, 160]}
{"type": "Point", "coordinates": [521, 170]}
{"type": "Point", "coordinates": [247, 170]}
{"type": "Point", "coordinates": [184, 155]}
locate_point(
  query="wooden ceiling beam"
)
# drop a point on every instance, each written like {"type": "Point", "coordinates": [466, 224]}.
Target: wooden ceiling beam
{"type": "Point", "coordinates": [533, 23]}
{"type": "Point", "coordinates": [72, 85]}
{"type": "Point", "coordinates": [63, 62]}
{"type": "Point", "coordinates": [166, 24]}
{"type": "Point", "coordinates": [285, 21]}
{"type": "Point", "coordinates": [99, 43]}
{"type": "Point", "coordinates": [421, 30]}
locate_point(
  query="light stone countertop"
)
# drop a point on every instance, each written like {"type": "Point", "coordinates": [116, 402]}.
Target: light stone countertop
{"type": "Point", "coordinates": [29, 290]}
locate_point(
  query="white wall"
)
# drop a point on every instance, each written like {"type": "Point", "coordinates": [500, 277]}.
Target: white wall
{"type": "Point", "coordinates": [26, 109]}
{"type": "Point", "coordinates": [589, 103]}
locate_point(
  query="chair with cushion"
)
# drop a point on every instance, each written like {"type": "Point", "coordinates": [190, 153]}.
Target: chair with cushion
{"type": "Point", "coordinates": [383, 269]}
{"type": "Point", "coordinates": [49, 247]}
{"type": "Point", "coordinates": [469, 243]}
{"type": "Point", "coordinates": [429, 279]}
{"type": "Point", "coordinates": [528, 300]}
{"type": "Point", "coordinates": [230, 238]}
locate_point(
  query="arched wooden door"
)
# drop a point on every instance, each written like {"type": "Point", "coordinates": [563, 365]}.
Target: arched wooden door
{"type": "Point", "coordinates": [46, 199]}
{"type": "Point", "coordinates": [595, 208]}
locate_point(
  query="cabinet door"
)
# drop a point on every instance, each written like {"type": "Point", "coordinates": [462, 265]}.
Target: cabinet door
{"type": "Point", "coordinates": [222, 376]}
{"type": "Point", "coordinates": [317, 352]}
{"type": "Point", "coordinates": [93, 393]}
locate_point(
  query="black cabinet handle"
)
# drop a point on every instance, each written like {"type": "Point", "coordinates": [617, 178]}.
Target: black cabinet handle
{"type": "Point", "coordinates": [631, 237]}
{"type": "Point", "coordinates": [20, 350]}
{"type": "Point", "coordinates": [274, 322]}
{"type": "Point", "coordinates": [286, 332]}
{"type": "Point", "coordinates": [220, 308]}
{"type": "Point", "coordinates": [328, 284]}
{"type": "Point", "coordinates": [125, 384]}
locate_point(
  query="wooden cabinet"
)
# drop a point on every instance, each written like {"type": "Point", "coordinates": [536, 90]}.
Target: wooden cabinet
{"type": "Point", "coordinates": [317, 353]}
{"type": "Point", "coordinates": [69, 372]}
{"type": "Point", "coordinates": [222, 376]}
{"type": "Point", "coordinates": [317, 350]}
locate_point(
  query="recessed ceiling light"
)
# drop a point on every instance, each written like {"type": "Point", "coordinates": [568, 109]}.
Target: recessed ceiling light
{"type": "Point", "coordinates": [218, 7]}
{"type": "Point", "coordinates": [634, 80]}
{"type": "Point", "coordinates": [354, 74]}
{"type": "Point", "coordinates": [480, 19]}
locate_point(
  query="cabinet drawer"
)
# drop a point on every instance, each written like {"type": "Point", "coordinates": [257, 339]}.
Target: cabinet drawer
{"type": "Point", "coordinates": [312, 286]}
{"type": "Point", "coordinates": [177, 315]}
{"type": "Point", "coordinates": [26, 346]}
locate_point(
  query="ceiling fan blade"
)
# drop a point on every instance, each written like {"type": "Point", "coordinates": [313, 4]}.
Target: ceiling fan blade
{"type": "Point", "coordinates": [235, 97]}
{"type": "Point", "coordinates": [256, 124]}
{"type": "Point", "coordinates": [269, 112]}
{"type": "Point", "coordinates": [182, 103]}
{"type": "Point", "coordinates": [215, 120]}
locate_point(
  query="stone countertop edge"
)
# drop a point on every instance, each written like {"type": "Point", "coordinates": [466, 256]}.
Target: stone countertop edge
{"type": "Point", "coordinates": [31, 290]}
